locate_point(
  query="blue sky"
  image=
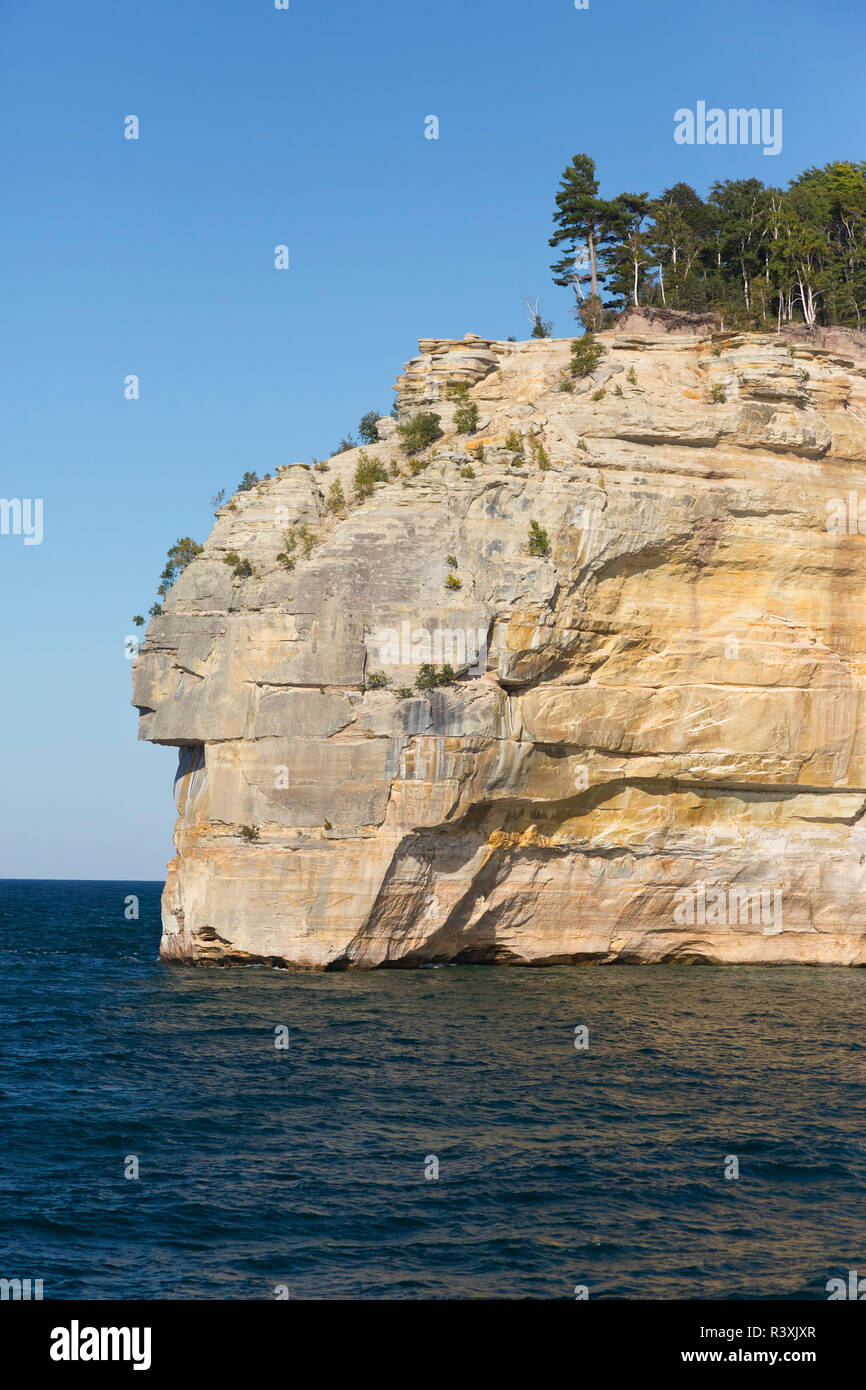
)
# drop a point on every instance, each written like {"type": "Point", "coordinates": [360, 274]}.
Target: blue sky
{"type": "Point", "coordinates": [155, 257]}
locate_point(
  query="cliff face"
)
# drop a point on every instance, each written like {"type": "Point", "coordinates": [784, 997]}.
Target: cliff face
{"type": "Point", "coordinates": [655, 748]}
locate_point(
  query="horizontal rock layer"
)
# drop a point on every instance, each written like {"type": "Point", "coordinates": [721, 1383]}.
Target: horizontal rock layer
{"type": "Point", "coordinates": [655, 748]}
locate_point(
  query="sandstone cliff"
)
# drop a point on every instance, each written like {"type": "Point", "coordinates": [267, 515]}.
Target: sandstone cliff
{"type": "Point", "coordinates": [655, 748]}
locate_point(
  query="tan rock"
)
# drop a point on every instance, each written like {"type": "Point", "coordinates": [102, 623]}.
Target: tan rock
{"type": "Point", "coordinates": [655, 748]}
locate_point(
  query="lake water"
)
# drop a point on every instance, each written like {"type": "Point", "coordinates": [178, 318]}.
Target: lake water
{"type": "Point", "coordinates": [305, 1167]}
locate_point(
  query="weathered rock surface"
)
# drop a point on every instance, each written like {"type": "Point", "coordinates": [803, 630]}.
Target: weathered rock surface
{"type": "Point", "coordinates": [652, 726]}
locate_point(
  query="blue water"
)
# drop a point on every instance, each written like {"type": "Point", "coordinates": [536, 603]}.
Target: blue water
{"type": "Point", "coordinates": [305, 1168]}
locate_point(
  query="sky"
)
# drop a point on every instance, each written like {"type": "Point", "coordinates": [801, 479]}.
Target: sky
{"type": "Point", "coordinates": [154, 257]}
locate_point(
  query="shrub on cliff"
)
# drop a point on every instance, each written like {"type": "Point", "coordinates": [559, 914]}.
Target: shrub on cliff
{"type": "Point", "coordinates": [369, 471]}
{"type": "Point", "coordinates": [335, 500]}
{"type": "Point", "coordinates": [429, 677]}
{"type": "Point", "coordinates": [369, 428]}
{"type": "Point", "coordinates": [586, 354]}
{"type": "Point", "coordinates": [421, 431]}
{"type": "Point", "coordinates": [539, 544]}
{"type": "Point", "coordinates": [247, 482]}
{"type": "Point", "coordinates": [466, 414]}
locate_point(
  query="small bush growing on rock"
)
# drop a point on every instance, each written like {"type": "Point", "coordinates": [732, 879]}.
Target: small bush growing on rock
{"type": "Point", "coordinates": [617, 390]}
{"type": "Point", "coordinates": [218, 498]}
{"type": "Point", "coordinates": [243, 570]}
{"type": "Point", "coordinates": [321, 466]}
{"type": "Point", "coordinates": [428, 677]}
{"type": "Point", "coordinates": [250, 832]}
{"type": "Point", "coordinates": [476, 451]}
{"type": "Point", "coordinates": [467, 472]}
{"type": "Point", "coordinates": [369, 427]}
{"type": "Point", "coordinates": [421, 431]}
{"type": "Point", "coordinates": [335, 501]}
{"type": "Point", "coordinates": [179, 556]}
{"type": "Point", "coordinates": [542, 458]}
{"type": "Point", "coordinates": [368, 472]}
{"type": "Point", "coordinates": [308, 539]}
{"type": "Point", "coordinates": [586, 354]}
{"type": "Point", "coordinates": [394, 471]}
{"type": "Point", "coordinates": [631, 376]}
{"type": "Point", "coordinates": [138, 620]}
{"type": "Point", "coordinates": [344, 445]}
{"type": "Point", "coordinates": [539, 543]}
{"type": "Point", "coordinates": [247, 482]}
{"type": "Point", "coordinates": [377, 680]}
{"type": "Point", "coordinates": [600, 394]}
{"type": "Point", "coordinates": [452, 582]}
{"type": "Point", "coordinates": [404, 693]}
{"type": "Point", "coordinates": [155, 610]}
{"type": "Point", "coordinates": [719, 394]}
{"type": "Point", "coordinates": [286, 557]}
{"type": "Point", "coordinates": [466, 414]}
{"type": "Point", "coordinates": [515, 442]}
{"type": "Point", "coordinates": [451, 562]}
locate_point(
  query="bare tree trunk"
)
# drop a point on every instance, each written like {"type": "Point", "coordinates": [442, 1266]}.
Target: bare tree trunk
{"type": "Point", "coordinates": [662, 283]}
{"type": "Point", "coordinates": [593, 266]}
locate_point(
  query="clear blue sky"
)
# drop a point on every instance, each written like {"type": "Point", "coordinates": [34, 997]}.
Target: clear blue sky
{"type": "Point", "coordinates": [155, 257]}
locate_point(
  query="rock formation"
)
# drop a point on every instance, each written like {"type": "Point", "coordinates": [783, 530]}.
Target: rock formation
{"type": "Point", "coordinates": [655, 745]}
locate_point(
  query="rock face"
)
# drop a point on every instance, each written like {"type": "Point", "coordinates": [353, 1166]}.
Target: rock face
{"type": "Point", "coordinates": [655, 747]}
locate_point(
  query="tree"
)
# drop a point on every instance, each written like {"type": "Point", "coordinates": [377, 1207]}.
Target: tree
{"type": "Point", "coordinates": [369, 428]}
{"type": "Point", "coordinates": [583, 223]}
{"type": "Point", "coordinates": [632, 252]}
{"type": "Point", "coordinates": [179, 556]}
{"type": "Point", "coordinates": [541, 328]}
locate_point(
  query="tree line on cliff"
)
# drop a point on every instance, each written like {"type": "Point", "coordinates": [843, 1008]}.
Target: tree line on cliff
{"type": "Point", "coordinates": [758, 256]}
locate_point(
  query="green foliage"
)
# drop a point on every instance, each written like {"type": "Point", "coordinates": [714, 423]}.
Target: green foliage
{"type": "Point", "coordinates": [179, 556]}
{"type": "Point", "coordinates": [586, 354]}
{"type": "Point", "coordinates": [515, 441]}
{"type": "Point", "coordinates": [369, 427]}
{"type": "Point", "coordinates": [466, 414]}
{"type": "Point", "coordinates": [368, 472]}
{"type": "Point", "coordinates": [539, 544]}
{"type": "Point", "coordinates": [308, 539]}
{"type": "Point", "coordinates": [631, 376]}
{"type": "Point", "coordinates": [321, 466]}
{"type": "Point", "coordinates": [218, 498]}
{"type": "Point", "coordinates": [377, 680]}
{"type": "Point", "coordinates": [155, 610]}
{"type": "Point", "coordinates": [600, 394]}
{"type": "Point", "coordinates": [756, 256]}
{"type": "Point", "coordinates": [247, 482]}
{"type": "Point", "coordinates": [451, 562]}
{"type": "Point", "coordinates": [250, 832]}
{"type": "Point", "coordinates": [344, 446]}
{"type": "Point", "coordinates": [429, 676]}
{"type": "Point", "coordinates": [719, 394]}
{"type": "Point", "coordinates": [452, 582]}
{"type": "Point", "coordinates": [617, 390]}
{"type": "Point", "coordinates": [404, 693]}
{"type": "Point", "coordinates": [476, 451]}
{"type": "Point", "coordinates": [421, 431]}
{"type": "Point", "coordinates": [542, 458]}
{"type": "Point", "coordinates": [467, 472]}
{"type": "Point", "coordinates": [138, 620]}
{"type": "Point", "coordinates": [335, 501]}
